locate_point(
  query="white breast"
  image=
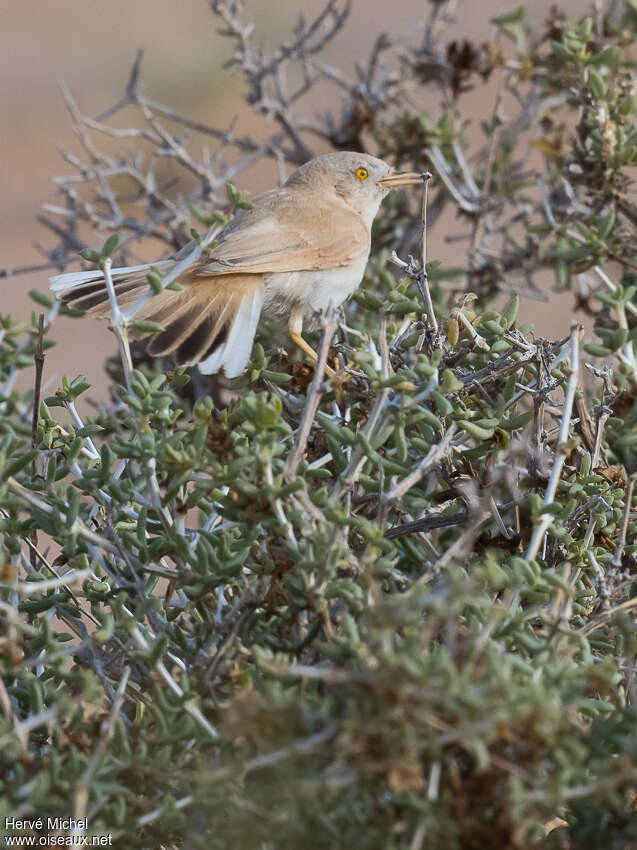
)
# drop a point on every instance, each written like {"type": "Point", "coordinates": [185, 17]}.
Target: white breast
{"type": "Point", "coordinates": [315, 290]}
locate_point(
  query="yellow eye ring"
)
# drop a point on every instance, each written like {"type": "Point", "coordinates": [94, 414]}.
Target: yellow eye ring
{"type": "Point", "coordinates": [362, 173]}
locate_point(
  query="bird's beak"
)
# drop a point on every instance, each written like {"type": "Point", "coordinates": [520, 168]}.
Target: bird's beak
{"type": "Point", "coordinates": [401, 178]}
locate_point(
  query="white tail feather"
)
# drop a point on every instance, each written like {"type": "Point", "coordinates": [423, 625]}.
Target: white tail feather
{"type": "Point", "coordinates": [234, 354]}
{"type": "Point", "coordinates": [70, 280]}
{"type": "Point", "coordinates": [213, 363]}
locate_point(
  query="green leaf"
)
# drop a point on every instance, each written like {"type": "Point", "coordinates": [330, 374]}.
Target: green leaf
{"type": "Point", "coordinates": [368, 300]}
{"type": "Point", "coordinates": [597, 350]}
{"type": "Point", "coordinates": [54, 401]}
{"type": "Point", "coordinates": [40, 298]}
{"type": "Point", "coordinates": [77, 386]}
{"type": "Point", "coordinates": [155, 280]}
{"type": "Point", "coordinates": [561, 273]}
{"type": "Point", "coordinates": [585, 464]}
{"type": "Point", "coordinates": [596, 84]}
{"type": "Point", "coordinates": [561, 52]}
{"type": "Point", "coordinates": [110, 246]}
{"type": "Point", "coordinates": [17, 464]}
{"type": "Point", "coordinates": [476, 430]}
{"type": "Point", "coordinates": [516, 422]}
{"type": "Point", "coordinates": [609, 56]}
{"type": "Point", "coordinates": [146, 326]}
{"type": "Point", "coordinates": [510, 312]}
{"type": "Point", "coordinates": [606, 225]}
{"type": "Point", "coordinates": [89, 430]}
{"type": "Point", "coordinates": [237, 197]}
{"type": "Point", "coordinates": [449, 383]}
{"type": "Point", "coordinates": [90, 255]}
{"type": "Point", "coordinates": [516, 16]}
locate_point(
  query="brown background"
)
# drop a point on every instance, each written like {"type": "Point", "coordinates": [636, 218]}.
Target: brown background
{"type": "Point", "coordinates": [90, 45]}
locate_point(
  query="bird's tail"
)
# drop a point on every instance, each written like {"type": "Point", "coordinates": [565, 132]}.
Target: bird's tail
{"type": "Point", "coordinates": [87, 291]}
{"type": "Point", "coordinates": [211, 321]}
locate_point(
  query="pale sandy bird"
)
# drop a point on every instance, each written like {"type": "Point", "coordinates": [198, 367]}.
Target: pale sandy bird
{"type": "Point", "coordinates": [301, 248]}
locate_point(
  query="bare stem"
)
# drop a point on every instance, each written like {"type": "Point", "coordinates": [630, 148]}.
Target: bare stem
{"type": "Point", "coordinates": [423, 282]}
{"type": "Point", "coordinates": [628, 501]}
{"type": "Point", "coordinates": [541, 526]}
{"type": "Point", "coordinates": [433, 457]}
{"type": "Point", "coordinates": [35, 416]}
{"type": "Point", "coordinates": [313, 397]}
{"type": "Point", "coordinates": [118, 323]}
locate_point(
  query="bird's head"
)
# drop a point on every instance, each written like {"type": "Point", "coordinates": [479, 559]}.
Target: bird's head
{"type": "Point", "coordinates": [360, 179]}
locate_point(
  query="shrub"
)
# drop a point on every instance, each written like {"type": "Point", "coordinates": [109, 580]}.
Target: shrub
{"type": "Point", "coordinates": [390, 610]}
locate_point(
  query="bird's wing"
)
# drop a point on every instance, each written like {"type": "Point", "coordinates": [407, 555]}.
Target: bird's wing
{"type": "Point", "coordinates": [275, 236]}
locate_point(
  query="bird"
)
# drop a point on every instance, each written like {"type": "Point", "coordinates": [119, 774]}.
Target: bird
{"type": "Point", "coordinates": [299, 249]}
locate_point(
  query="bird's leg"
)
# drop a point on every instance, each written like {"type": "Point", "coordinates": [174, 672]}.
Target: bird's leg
{"type": "Point", "coordinates": [295, 327]}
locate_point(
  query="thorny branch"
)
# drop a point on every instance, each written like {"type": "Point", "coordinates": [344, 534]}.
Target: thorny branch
{"type": "Point", "coordinates": [540, 527]}
{"type": "Point", "coordinates": [280, 85]}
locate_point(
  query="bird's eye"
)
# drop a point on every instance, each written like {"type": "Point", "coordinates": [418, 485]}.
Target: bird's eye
{"type": "Point", "coordinates": [362, 173]}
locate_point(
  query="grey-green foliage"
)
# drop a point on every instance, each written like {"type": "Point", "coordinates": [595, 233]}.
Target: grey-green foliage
{"type": "Point", "coordinates": [207, 645]}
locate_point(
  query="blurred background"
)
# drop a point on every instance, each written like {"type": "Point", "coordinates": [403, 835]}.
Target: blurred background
{"type": "Point", "coordinates": [91, 47]}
